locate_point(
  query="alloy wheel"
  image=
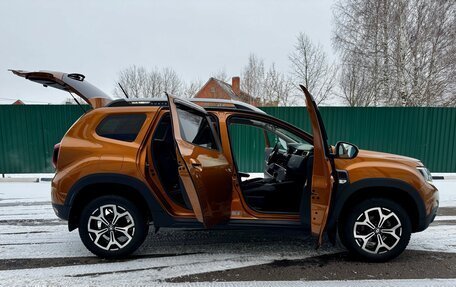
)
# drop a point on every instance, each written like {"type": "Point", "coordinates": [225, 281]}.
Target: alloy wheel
{"type": "Point", "coordinates": [111, 227]}
{"type": "Point", "coordinates": [377, 230]}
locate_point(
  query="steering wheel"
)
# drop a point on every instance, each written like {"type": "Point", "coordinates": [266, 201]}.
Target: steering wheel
{"type": "Point", "coordinates": [273, 155]}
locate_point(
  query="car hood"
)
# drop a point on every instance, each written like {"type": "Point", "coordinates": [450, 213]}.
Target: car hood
{"type": "Point", "coordinates": [375, 155]}
{"type": "Point", "coordinates": [74, 83]}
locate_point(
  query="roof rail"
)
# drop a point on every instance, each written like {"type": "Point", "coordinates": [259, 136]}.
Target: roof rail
{"type": "Point", "coordinates": [237, 104]}
{"type": "Point", "coordinates": [211, 103]}
{"type": "Point", "coordinates": [138, 102]}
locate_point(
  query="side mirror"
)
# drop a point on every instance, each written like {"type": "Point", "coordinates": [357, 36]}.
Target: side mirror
{"type": "Point", "coordinates": [346, 150]}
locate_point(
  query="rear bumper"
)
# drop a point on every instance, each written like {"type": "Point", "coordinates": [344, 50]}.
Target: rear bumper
{"type": "Point", "coordinates": [62, 211]}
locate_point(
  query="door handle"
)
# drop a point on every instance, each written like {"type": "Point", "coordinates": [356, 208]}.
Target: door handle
{"type": "Point", "coordinates": [195, 163]}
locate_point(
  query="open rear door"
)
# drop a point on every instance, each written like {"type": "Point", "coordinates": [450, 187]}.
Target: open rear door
{"type": "Point", "coordinates": [322, 179]}
{"type": "Point", "coordinates": [74, 83]}
{"type": "Point", "coordinates": [204, 171]}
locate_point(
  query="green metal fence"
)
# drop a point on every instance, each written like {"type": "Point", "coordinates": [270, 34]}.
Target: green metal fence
{"type": "Point", "coordinates": [28, 134]}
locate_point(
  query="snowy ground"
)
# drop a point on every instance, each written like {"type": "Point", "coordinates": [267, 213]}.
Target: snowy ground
{"type": "Point", "coordinates": [37, 249]}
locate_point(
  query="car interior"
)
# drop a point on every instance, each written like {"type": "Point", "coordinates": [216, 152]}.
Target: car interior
{"type": "Point", "coordinates": [164, 158]}
{"type": "Point", "coordinates": [163, 151]}
{"type": "Point", "coordinates": [287, 170]}
{"type": "Point", "coordinates": [287, 167]}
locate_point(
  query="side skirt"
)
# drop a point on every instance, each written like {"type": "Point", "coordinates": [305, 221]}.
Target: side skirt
{"type": "Point", "coordinates": [238, 223]}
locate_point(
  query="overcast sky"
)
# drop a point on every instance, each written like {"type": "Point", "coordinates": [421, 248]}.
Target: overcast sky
{"type": "Point", "coordinates": [195, 38]}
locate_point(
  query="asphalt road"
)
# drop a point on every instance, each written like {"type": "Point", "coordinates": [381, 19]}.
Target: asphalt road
{"type": "Point", "coordinates": [411, 264]}
{"type": "Point", "coordinates": [37, 249]}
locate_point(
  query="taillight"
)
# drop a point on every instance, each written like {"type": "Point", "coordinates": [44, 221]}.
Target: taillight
{"type": "Point", "coordinates": [55, 155]}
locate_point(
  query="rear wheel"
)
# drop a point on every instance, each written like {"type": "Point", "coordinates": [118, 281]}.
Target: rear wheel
{"type": "Point", "coordinates": [377, 230]}
{"type": "Point", "coordinates": [112, 227]}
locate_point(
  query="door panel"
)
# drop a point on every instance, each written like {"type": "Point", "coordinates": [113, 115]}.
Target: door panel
{"type": "Point", "coordinates": [322, 179]}
{"type": "Point", "coordinates": [204, 171]}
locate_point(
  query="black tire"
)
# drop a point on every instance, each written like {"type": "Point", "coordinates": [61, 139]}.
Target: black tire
{"type": "Point", "coordinates": [384, 243]}
{"type": "Point", "coordinates": [114, 242]}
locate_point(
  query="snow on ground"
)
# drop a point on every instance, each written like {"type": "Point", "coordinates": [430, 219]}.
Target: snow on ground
{"type": "Point", "coordinates": [28, 175]}
{"type": "Point", "coordinates": [21, 192]}
{"type": "Point", "coordinates": [447, 192]}
{"type": "Point", "coordinates": [30, 230]}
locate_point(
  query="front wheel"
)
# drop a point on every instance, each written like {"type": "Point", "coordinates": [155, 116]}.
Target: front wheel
{"type": "Point", "coordinates": [112, 227]}
{"type": "Point", "coordinates": [376, 230]}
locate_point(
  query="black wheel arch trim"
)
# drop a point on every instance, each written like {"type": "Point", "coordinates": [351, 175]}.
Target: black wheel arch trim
{"type": "Point", "coordinates": [159, 216]}
{"type": "Point", "coordinates": [345, 191]}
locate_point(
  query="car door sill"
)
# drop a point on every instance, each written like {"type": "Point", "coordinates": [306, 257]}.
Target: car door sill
{"type": "Point", "coordinates": [264, 223]}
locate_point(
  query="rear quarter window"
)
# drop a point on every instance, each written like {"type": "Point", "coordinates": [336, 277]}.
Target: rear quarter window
{"type": "Point", "coordinates": [123, 127]}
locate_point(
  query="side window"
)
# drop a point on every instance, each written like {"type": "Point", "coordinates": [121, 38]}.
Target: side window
{"type": "Point", "coordinates": [248, 146]}
{"type": "Point", "coordinates": [252, 141]}
{"type": "Point", "coordinates": [215, 124]}
{"type": "Point", "coordinates": [124, 127]}
{"type": "Point", "coordinates": [195, 128]}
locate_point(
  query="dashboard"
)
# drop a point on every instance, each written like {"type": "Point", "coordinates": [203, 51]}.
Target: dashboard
{"type": "Point", "coordinates": [290, 165]}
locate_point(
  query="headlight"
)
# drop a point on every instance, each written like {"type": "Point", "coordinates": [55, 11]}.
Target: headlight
{"type": "Point", "coordinates": [425, 173]}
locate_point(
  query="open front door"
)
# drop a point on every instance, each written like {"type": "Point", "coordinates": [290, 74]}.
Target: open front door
{"type": "Point", "coordinates": [204, 171]}
{"type": "Point", "coordinates": [322, 179]}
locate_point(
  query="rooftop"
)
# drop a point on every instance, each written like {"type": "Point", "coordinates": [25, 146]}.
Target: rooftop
{"type": "Point", "coordinates": [204, 102]}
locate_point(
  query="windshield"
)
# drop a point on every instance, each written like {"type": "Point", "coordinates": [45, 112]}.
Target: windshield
{"type": "Point", "coordinates": [284, 139]}
{"type": "Point", "coordinates": [275, 134]}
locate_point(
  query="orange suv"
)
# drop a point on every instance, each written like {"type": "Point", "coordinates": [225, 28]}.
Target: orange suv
{"type": "Point", "coordinates": [126, 164]}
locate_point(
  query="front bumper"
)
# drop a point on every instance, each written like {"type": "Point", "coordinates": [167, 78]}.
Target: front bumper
{"type": "Point", "coordinates": [430, 217]}
{"type": "Point", "coordinates": [62, 211]}
{"type": "Point", "coordinates": [430, 196]}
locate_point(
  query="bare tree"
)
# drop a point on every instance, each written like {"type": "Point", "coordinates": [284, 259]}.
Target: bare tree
{"type": "Point", "coordinates": [311, 68]}
{"type": "Point", "coordinates": [192, 88]}
{"type": "Point", "coordinates": [153, 86]}
{"type": "Point", "coordinates": [403, 49]}
{"type": "Point", "coordinates": [268, 88]}
{"type": "Point", "coordinates": [221, 75]}
{"type": "Point", "coordinates": [277, 89]}
{"type": "Point", "coordinates": [253, 77]}
{"type": "Point", "coordinates": [140, 83]}
{"type": "Point", "coordinates": [355, 85]}
{"type": "Point", "coordinates": [171, 83]}
{"type": "Point", "coordinates": [134, 80]}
